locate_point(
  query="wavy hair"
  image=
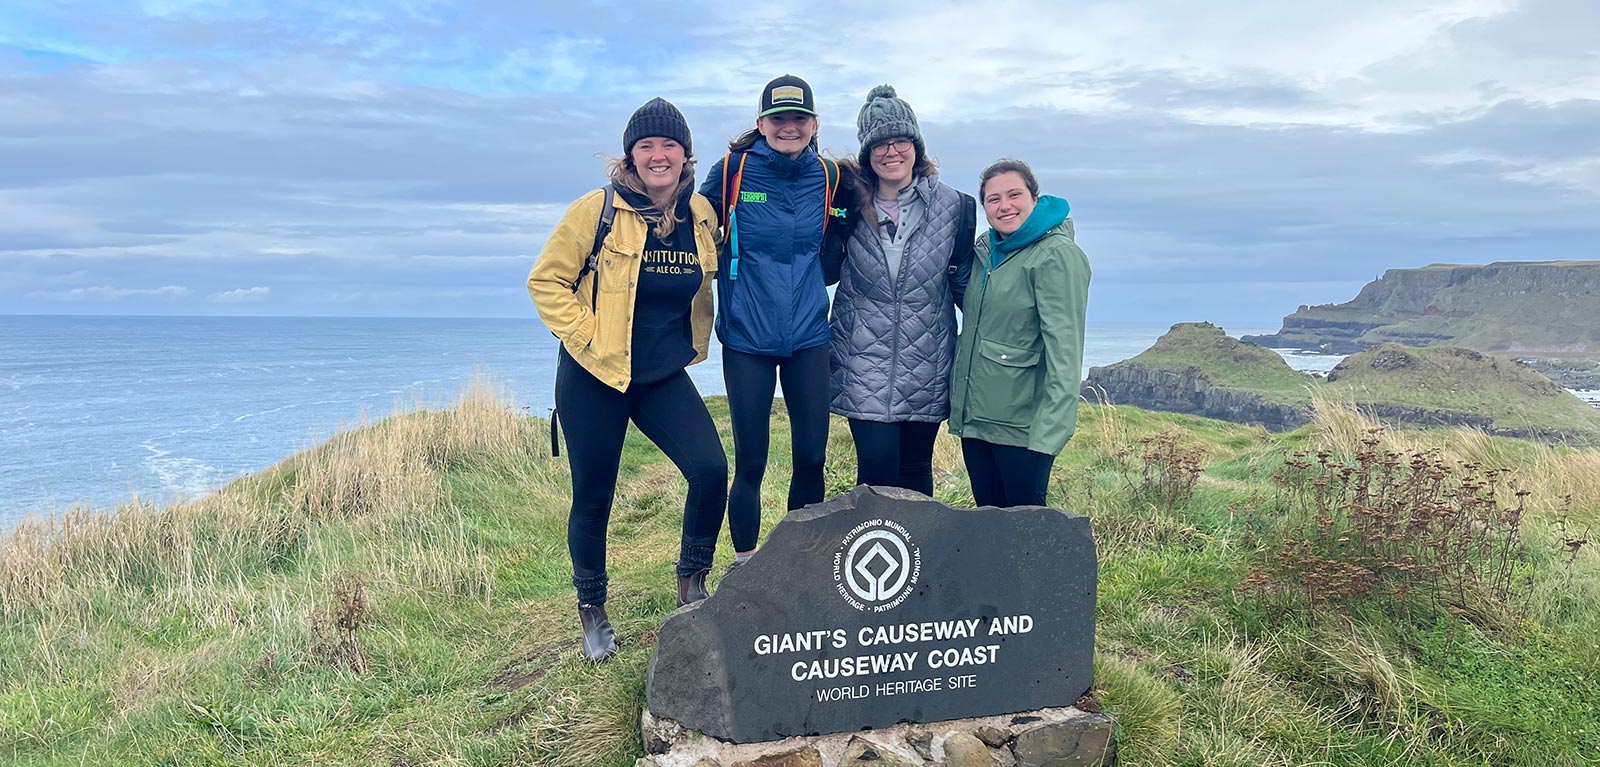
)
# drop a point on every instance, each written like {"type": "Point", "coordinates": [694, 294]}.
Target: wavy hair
{"type": "Point", "coordinates": [866, 181]}
{"type": "Point", "coordinates": [621, 170]}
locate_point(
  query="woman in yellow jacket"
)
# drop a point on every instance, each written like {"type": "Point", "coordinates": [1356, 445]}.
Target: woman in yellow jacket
{"type": "Point", "coordinates": [628, 328]}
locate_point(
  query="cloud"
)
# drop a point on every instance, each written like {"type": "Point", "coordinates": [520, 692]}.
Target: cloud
{"type": "Point", "coordinates": [241, 295]}
{"type": "Point", "coordinates": [389, 158]}
{"type": "Point", "coordinates": [112, 293]}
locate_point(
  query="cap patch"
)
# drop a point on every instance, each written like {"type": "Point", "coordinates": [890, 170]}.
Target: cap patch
{"type": "Point", "coordinates": [788, 93]}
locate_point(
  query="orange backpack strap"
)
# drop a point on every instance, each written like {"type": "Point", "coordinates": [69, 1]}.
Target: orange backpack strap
{"type": "Point", "coordinates": [730, 222]}
{"type": "Point", "coordinates": [830, 172]}
{"type": "Point", "coordinates": [730, 197]}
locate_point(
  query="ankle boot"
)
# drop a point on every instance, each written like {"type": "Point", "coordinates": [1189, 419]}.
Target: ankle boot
{"type": "Point", "coordinates": [599, 640]}
{"type": "Point", "coordinates": [692, 587]}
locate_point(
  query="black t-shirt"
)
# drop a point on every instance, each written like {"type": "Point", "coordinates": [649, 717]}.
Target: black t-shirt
{"type": "Point", "coordinates": [669, 278]}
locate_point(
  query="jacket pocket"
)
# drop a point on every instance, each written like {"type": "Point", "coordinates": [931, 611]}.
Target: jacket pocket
{"type": "Point", "coordinates": [1004, 384]}
{"type": "Point", "coordinates": [615, 269]}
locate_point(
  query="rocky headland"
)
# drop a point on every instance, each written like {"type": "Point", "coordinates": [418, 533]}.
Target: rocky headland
{"type": "Point", "coordinates": [1196, 368]}
{"type": "Point", "coordinates": [1547, 312]}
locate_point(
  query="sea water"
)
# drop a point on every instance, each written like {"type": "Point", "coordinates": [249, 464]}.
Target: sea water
{"type": "Point", "coordinates": [96, 409]}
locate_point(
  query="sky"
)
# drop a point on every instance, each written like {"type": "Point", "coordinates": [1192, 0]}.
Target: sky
{"type": "Point", "coordinates": [1225, 161]}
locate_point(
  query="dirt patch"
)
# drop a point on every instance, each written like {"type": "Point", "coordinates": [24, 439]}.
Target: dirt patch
{"type": "Point", "coordinates": [530, 667]}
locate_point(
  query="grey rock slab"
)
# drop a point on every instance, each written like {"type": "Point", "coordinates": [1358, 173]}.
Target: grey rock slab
{"type": "Point", "coordinates": [1082, 742]}
{"type": "Point", "coordinates": [994, 737]}
{"type": "Point", "coordinates": [921, 740]}
{"type": "Point", "coordinates": [885, 606]}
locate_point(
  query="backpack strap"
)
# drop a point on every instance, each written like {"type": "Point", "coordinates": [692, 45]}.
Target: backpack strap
{"type": "Point", "coordinates": [963, 250]}
{"type": "Point", "coordinates": [830, 174]}
{"type": "Point", "coordinates": [608, 215]}
{"type": "Point", "coordinates": [730, 216]}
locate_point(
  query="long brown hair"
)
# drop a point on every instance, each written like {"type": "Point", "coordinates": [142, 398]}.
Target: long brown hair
{"type": "Point", "coordinates": [621, 170]}
{"type": "Point", "coordinates": [866, 181]}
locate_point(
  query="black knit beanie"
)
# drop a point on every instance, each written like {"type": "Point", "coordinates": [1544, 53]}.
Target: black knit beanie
{"type": "Point", "coordinates": [658, 117]}
{"type": "Point", "coordinates": [885, 116]}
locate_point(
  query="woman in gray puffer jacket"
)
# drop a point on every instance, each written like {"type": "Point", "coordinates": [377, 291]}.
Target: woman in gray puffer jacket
{"type": "Point", "coordinates": [906, 261]}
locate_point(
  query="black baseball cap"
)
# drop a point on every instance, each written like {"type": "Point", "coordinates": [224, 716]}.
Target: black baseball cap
{"type": "Point", "coordinates": [787, 94]}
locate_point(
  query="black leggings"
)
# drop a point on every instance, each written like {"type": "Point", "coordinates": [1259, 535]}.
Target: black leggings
{"type": "Point", "coordinates": [896, 454]}
{"type": "Point", "coordinates": [1003, 475]}
{"type": "Point", "coordinates": [750, 379]}
{"type": "Point", "coordinates": [669, 412]}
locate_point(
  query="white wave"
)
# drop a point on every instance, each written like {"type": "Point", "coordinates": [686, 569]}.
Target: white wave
{"type": "Point", "coordinates": [180, 475]}
{"type": "Point", "coordinates": [290, 406]}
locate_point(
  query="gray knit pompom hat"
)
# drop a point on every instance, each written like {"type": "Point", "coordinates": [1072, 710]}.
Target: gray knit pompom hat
{"type": "Point", "coordinates": [886, 116]}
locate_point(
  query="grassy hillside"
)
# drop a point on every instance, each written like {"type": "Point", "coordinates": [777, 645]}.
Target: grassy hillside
{"type": "Point", "coordinates": [1433, 384]}
{"type": "Point", "coordinates": [1508, 306]}
{"type": "Point", "coordinates": [399, 596]}
{"type": "Point", "coordinates": [1448, 378]}
{"type": "Point", "coordinates": [1227, 361]}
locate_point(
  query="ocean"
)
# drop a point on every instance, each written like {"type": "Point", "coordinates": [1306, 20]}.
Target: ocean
{"type": "Point", "coordinates": [96, 409]}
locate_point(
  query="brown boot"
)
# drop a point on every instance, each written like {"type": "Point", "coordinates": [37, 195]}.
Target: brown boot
{"type": "Point", "coordinates": [599, 640]}
{"type": "Point", "coordinates": [692, 587]}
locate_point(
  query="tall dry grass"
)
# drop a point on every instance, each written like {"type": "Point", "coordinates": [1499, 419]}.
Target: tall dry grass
{"type": "Point", "coordinates": [1558, 478]}
{"type": "Point", "coordinates": [383, 480]}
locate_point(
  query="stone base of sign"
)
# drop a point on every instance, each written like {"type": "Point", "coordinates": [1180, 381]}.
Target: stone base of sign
{"type": "Point", "coordinates": [1049, 737]}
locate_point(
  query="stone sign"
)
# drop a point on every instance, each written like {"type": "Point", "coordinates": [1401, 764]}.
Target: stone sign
{"type": "Point", "coordinates": [885, 606]}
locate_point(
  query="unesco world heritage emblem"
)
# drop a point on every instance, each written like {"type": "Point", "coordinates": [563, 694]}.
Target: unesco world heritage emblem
{"type": "Point", "coordinates": [882, 606]}
{"type": "Point", "coordinates": [876, 566]}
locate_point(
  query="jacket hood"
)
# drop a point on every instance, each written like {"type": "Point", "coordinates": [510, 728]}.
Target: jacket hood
{"type": "Point", "coordinates": [642, 204]}
{"type": "Point", "coordinates": [1048, 213]}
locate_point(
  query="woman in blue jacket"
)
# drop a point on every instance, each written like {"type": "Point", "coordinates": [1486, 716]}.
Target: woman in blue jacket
{"type": "Point", "coordinates": [774, 195]}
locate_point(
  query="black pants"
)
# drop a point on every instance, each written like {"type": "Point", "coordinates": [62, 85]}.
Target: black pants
{"type": "Point", "coordinates": [750, 379]}
{"type": "Point", "coordinates": [1003, 475]}
{"type": "Point", "coordinates": [671, 413]}
{"type": "Point", "coordinates": [896, 454]}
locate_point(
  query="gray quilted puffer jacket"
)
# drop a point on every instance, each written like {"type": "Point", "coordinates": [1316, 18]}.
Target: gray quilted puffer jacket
{"type": "Point", "coordinates": [893, 342]}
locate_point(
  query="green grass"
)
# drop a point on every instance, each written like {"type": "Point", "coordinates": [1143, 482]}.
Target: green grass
{"type": "Point", "coordinates": [189, 635]}
{"type": "Point", "coordinates": [1444, 381]}
{"type": "Point", "coordinates": [1227, 362]}
{"type": "Point", "coordinates": [1452, 379]}
{"type": "Point", "coordinates": [1535, 307]}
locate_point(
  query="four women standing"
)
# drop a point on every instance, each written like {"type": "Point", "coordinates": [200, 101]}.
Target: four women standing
{"type": "Point", "coordinates": [624, 282]}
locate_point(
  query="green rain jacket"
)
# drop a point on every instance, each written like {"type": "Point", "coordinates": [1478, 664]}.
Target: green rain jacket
{"type": "Point", "coordinates": [1019, 358]}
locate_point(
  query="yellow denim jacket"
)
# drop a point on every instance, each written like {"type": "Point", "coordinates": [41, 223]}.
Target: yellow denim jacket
{"type": "Point", "coordinates": [602, 343]}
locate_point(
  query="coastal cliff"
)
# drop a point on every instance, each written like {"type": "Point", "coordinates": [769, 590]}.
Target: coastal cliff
{"type": "Point", "coordinates": [1197, 369]}
{"type": "Point", "coordinates": [1524, 308]}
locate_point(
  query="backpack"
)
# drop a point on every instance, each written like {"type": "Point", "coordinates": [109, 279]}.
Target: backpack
{"type": "Point", "coordinates": [730, 204]}
{"type": "Point", "coordinates": [608, 214]}
{"type": "Point", "coordinates": [964, 251]}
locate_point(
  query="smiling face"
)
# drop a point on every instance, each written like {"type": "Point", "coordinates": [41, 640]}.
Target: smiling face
{"type": "Point", "coordinates": [1007, 202]}
{"type": "Point", "coordinates": [659, 162]}
{"type": "Point", "coordinates": [892, 160]}
{"type": "Point", "coordinates": [788, 132]}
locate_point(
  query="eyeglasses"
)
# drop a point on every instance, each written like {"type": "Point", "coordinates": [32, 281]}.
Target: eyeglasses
{"type": "Point", "coordinates": [898, 145]}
